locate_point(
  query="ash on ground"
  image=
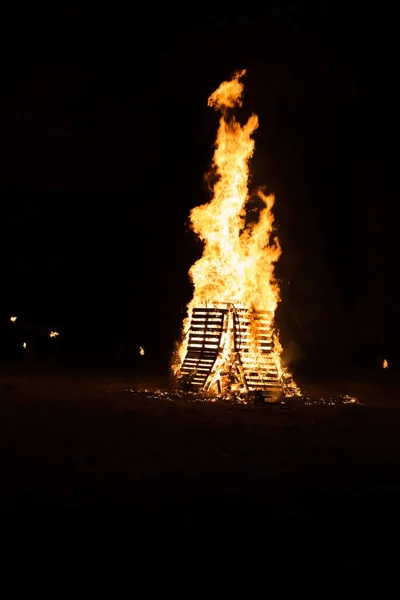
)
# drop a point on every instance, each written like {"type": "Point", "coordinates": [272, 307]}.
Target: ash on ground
{"type": "Point", "coordinates": [245, 398]}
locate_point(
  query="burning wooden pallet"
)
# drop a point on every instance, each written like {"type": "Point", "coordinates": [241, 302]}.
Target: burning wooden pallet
{"type": "Point", "coordinates": [231, 346]}
{"type": "Point", "coordinates": [257, 360]}
{"type": "Point", "coordinates": [204, 344]}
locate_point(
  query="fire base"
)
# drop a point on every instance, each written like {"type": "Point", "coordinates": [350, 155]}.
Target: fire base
{"type": "Point", "coordinates": [230, 349]}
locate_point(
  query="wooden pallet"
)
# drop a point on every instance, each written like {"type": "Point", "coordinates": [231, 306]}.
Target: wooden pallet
{"type": "Point", "coordinates": [204, 344]}
{"type": "Point", "coordinates": [258, 365]}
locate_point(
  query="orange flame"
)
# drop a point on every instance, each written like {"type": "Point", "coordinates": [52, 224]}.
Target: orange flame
{"type": "Point", "coordinates": [385, 364]}
{"type": "Point", "coordinates": [240, 249]}
{"type": "Point", "coordinates": [237, 258]}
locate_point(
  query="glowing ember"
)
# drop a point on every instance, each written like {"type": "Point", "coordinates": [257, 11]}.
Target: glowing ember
{"type": "Point", "coordinates": [13, 319]}
{"type": "Point", "coordinates": [141, 351]}
{"type": "Point", "coordinates": [53, 334]}
{"type": "Point", "coordinates": [385, 364]}
{"type": "Point", "coordinates": [232, 342]}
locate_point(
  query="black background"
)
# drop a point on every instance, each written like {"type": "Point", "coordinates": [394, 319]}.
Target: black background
{"type": "Point", "coordinates": [105, 140]}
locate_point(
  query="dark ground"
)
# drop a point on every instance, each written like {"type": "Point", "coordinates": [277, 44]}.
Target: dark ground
{"type": "Point", "coordinates": [97, 480]}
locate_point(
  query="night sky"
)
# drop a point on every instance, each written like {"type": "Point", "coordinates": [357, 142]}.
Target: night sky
{"type": "Point", "coordinates": [105, 140]}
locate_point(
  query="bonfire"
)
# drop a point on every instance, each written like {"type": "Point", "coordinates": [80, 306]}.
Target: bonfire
{"type": "Point", "coordinates": [230, 342]}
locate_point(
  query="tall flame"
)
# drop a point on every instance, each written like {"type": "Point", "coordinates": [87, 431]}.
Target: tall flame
{"type": "Point", "coordinates": [240, 250]}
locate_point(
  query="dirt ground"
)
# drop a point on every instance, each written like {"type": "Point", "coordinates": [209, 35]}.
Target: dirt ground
{"type": "Point", "coordinates": [95, 471]}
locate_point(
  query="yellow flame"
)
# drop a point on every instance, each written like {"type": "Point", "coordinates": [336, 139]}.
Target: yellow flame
{"type": "Point", "coordinates": [24, 345]}
{"type": "Point", "coordinates": [236, 227]}
{"type": "Point", "coordinates": [237, 261]}
{"type": "Point", "coordinates": [229, 93]}
{"type": "Point", "coordinates": [53, 334]}
{"type": "Point", "coordinates": [385, 364]}
{"type": "Point", "coordinates": [141, 351]}
{"type": "Point", "coordinates": [13, 319]}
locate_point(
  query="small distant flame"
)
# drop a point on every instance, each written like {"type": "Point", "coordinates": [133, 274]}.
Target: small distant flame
{"type": "Point", "coordinates": [53, 334]}
{"type": "Point", "coordinates": [13, 319]}
{"type": "Point", "coordinates": [141, 351]}
{"type": "Point", "coordinates": [385, 364]}
{"type": "Point", "coordinates": [24, 345]}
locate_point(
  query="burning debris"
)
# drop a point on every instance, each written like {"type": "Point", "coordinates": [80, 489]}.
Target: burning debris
{"type": "Point", "coordinates": [240, 398]}
{"type": "Point", "coordinates": [231, 344]}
